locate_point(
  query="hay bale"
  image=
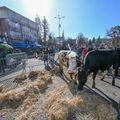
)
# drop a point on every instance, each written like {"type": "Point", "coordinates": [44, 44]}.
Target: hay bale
{"type": "Point", "coordinates": [33, 75]}
{"type": "Point", "coordinates": [20, 78]}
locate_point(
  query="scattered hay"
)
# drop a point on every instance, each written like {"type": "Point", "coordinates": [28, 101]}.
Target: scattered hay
{"type": "Point", "coordinates": [105, 112]}
{"type": "Point", "coordinates": [42, 73]}
{"type": "Point", "coordinates": [20, 78]}
{"type": "Point", "coordinates": [47, 79]}
{"type": "Point", "coordinates": [33, 75]}
{"type": "Point", "coordinates": [74, 101]}
{"type": "Point", "coordinates": [56, 70]}
{"type": "Point", "coordinates": [4, 112]}
{"type": "Point", "coordinates": [15, 97]}
{"type": "Point", "coordinates": [52, 96]}
{"type": "Point", "coordinates": [29, 103]}
{"type": "Point", "coordinates": [58, 106]}
{"type": "Point", "coordinates": [96, 107]}
{"type": "Point", "coordinates": [86, 106]}
{"type": "Point", "coordinates": [24, 115]}
{"type": "Point", "coordinates": [1, 87]}
{"type": "Point", "coordinates": [62, 107]}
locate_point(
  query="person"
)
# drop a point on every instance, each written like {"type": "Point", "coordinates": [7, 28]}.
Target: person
{"type": "Point", "coordinates": [45, 56]}
{"type": "Point", "coordinates": [102, 46]}
{"type": "Point", "coordinates": [51, 56]}
{"type": "Point", "coordinates": [90, 48]}
{"type": "Point", "coordinates": [36, 55]}
{"type": "Point", "coordinates": [84, 52]}
{"type": "Point", "coordinates": [79, 51]}
{"type": "Point", "coordinates": [2, 61]}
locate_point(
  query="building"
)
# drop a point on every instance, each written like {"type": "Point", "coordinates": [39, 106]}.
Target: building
{"type": "Point", "coordinates": [59, 40]}
{"type": "Point", "coordinates": [18, 30]}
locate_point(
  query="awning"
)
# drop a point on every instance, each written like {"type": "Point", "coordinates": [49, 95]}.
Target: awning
{"type": "Point", "coordinates": [20, 44]}
{"type": "Point", "coordinates": [6, 45]}
{"type": "Point", "coordinates": [38, 45]}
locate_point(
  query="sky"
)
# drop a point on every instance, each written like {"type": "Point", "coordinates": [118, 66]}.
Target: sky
{"type": "Point", "coordinates": [90, 17]}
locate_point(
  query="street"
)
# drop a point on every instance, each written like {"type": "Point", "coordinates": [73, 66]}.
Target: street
{"type": "Point", "coordinates": [104, 92]}
{"type": "Point", "coordinates": [103, 88]}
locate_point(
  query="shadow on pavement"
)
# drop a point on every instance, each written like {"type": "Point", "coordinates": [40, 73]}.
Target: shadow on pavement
{"type": "Point", "coordinates": [111, 84]}
{"type": "Point", "coordinates": [104, 96]}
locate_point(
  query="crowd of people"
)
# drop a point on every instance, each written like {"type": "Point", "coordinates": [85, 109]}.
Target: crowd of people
{"type": "Point", "coordinates": [48, 53]}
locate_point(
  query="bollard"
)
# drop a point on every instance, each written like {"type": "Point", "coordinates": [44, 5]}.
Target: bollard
{"type": "Point", "coordinates": [118, 112]}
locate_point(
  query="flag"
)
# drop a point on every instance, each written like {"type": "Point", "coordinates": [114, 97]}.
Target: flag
{"type": "Point", "coordinates": [69, 47]}
{"type": "Point", "coordinates": [5, 34]}
{"type": "Point", "coordinates": [17, 25]}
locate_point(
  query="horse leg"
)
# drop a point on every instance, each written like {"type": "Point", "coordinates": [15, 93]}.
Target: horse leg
{"type": "Point", "coordinates": [94, 75]}
{"type": "Point", "coordinates": [71, 76]}
{"type": "Point", "coordinates": [61, 70]}
{"type": "Point", "coordinates": [113, 81]}
{"type": "Point", "coordinates": [75, 79]}
{"type": "Point", "coordinates": [113, 77]}
{"type": "Point", "coordinates": [104, 74]}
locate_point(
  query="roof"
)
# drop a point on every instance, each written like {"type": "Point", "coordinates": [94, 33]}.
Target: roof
{"type": "Point", "coordinates": [4, 7]}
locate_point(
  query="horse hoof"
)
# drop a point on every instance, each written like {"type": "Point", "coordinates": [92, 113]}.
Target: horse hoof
{"type": "Point", "coordinates": [113, 84]}
{"type": "Point", "coordinates": [93, 86]}
{"type": "Point", "coordinates": [80, 88]}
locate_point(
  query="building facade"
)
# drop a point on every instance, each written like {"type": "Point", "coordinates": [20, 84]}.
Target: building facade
{"type": "Point", "coordinates": [17, 28]}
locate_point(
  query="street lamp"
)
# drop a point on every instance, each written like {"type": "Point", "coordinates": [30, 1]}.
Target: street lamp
{"type": "Point", "coordinates": [59, 24]}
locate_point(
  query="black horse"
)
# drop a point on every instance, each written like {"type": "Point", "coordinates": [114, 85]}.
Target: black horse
{"type": "Point", "coordinates": [98, 60]}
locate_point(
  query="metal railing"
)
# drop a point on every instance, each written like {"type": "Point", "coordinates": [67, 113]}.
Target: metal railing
{"type": "Point", "coordinates": [19, 61]}
{"type": "Point", "coordinates": [11, 61]}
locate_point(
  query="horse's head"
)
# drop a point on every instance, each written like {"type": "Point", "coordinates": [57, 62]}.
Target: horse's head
{"type": "Point", "coordinates": [82, 78]}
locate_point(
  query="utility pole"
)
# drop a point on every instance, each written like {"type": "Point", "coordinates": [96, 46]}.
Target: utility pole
{"type": "Point", "coordinates": [59, 24]}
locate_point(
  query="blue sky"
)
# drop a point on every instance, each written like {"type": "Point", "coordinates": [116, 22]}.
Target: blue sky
{"type": "Point", "coordinates": [91, 17]}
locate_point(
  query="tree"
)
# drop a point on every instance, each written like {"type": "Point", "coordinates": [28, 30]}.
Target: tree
{"type": "Point", "coordinates": [93, 40]}
{"type": "Point", "coordinates": [65, 44]}
{"type": "Point", "coordinates": [90, 42]}
{"type": "Point", "coordinates": [114, 33]}
{"type": "Point", "coordinates": [45, 29]}
{"type": "Point", "coordinates": [51, 40]}
{"type": "Point", "coordinates": [99, 40]}
{"type": "Point", "coordinates": [39, 24]}
{"type": "Point", "coordinates": [70, 41]}
{"type": "Point", "coordinates": [81, 40]}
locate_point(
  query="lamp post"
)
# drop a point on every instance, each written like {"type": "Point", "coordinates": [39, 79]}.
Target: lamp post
{"type": "Point", "coordinates": [59, 24]}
